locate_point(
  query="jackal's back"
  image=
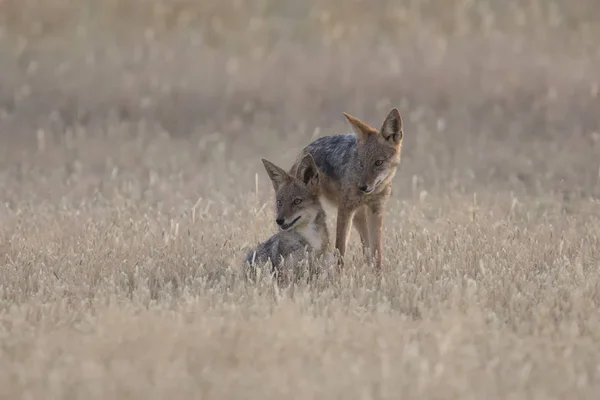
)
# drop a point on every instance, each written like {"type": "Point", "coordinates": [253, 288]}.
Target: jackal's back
{"type": "Point", "coordinates": [278, 246]}
{"type": "Point", "coordinates": [333, 154]}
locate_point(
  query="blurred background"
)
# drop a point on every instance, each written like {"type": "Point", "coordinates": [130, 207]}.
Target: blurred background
{"type": "Point", "coordinates": [499, 94]}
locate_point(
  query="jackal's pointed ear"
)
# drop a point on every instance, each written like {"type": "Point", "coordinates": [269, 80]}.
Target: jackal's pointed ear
{"type": "Point", "coordinates": [277, 175]}
{"type": "Point", "coordinates": [307, 171]}
{"type": "Point", "coordinates": [360, 129]}
{"type": "Point", "coordinates": [391, 130]}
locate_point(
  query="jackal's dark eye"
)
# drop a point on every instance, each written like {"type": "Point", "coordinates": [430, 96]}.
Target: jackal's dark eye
{"type": "Point", "coordinates": [378, 163]}
{"type": "Point", "coordinates": [297, 202]}
{"type": "Point", "coordinates": [278, 203]}
{"type": "Point", "coordinates": [360, 164]}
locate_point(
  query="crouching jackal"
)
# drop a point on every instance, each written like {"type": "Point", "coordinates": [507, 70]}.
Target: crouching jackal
{"type": "Point", "coordinates": [357, 172]}
{"type": "Point", "coordinates": [300, 217]}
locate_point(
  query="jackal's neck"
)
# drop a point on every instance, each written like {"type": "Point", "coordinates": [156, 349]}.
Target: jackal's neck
{"type": "Point", "coordinates": [315, 233]}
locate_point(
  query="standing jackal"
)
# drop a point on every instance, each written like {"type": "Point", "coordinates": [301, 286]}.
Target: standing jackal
{"type": "Point", "coordinates": [357, 172]}
{"type": "Point", "coordinates": [300, 216]}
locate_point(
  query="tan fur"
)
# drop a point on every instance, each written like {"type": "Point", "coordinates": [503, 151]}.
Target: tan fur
{"type": "Point", "coordinates": [353, 167]}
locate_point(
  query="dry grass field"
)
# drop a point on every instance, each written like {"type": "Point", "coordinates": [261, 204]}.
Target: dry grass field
{"type": "Point", "coordinates": [131, 187]}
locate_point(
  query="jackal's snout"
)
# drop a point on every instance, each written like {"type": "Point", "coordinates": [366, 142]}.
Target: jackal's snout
{"type": "Point", "coordinates": [364, 188]}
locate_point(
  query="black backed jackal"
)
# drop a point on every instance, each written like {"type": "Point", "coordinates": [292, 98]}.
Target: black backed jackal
{"type": "Point", "coordinates": [300, 216]}
{"type": "Point", "coordinates": [357, 172]}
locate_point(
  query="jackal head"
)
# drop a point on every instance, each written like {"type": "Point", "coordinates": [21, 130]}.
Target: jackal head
{"type": "Point", "coordinates": [297, 196]}
{"type": "Point", "coordinates": [377, 151]}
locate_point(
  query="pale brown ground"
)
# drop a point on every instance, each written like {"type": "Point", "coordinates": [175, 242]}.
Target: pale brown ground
{"type": "Point", "coordinates": [127, 180]}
